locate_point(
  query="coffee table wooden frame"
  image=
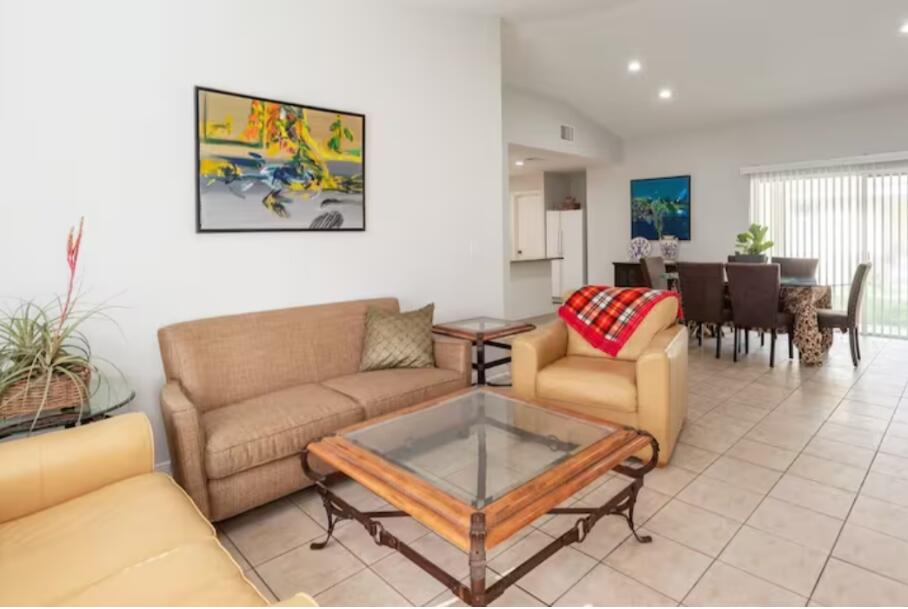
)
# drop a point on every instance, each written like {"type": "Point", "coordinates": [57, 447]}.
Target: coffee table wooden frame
{"type": "Point", "coordinates": [478, 530]}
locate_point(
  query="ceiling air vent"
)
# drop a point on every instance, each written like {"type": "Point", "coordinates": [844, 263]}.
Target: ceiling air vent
{"type": "Point", "coordinates": [567, 133]}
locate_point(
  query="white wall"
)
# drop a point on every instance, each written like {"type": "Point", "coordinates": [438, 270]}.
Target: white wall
{"type": "Point", "coordinates": [529, 286]}
{"type": "Point", "coordinates": [714, 158]}
{"type": "Point", "coordinates": [529, 181]}
{"type": "Point", "coordinates": [533, 120]}
{"type": "Point", "coordinates": [96, 112]}
{"type": "Point", "coordinates": [579, 192]}
{"type": "Point", "coordinates": [557, 187]}
{"type": "Point", "coordinates": [530, 289]}
{"type": "Point", "coordinates": [529, 283]}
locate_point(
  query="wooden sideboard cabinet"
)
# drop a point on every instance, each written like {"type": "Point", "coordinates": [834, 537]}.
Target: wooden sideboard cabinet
{"type": "Point", "coordinates": [628, 274]}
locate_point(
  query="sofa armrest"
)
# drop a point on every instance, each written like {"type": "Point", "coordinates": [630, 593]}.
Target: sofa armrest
{"type": "Point", "coordinates": [662, 388]}
{"type": "Point", "coordinates": [186, 437]}
{"type": "Point", "coordinates": [533, 351]}
{"type": "Point", "coordinates": [454, 354]}
{"type": "Point", "coordinates": [42, 471]}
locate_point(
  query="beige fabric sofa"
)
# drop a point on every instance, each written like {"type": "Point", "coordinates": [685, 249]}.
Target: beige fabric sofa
{"type": "Point", "coordinates": [245, 393]}
{"type": "Point", "coordinates": [85, 520]}
{"type": "Point", "coordinates": [644, 386]}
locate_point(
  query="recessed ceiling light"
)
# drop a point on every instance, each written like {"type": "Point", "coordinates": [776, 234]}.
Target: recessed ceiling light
{"type": "Point", "coordinates": [518, 163]}
{"type": "Point", "coordinates": [634, 66]}
{"type": "Point", "coordinates": [665, 93]}
{"type": "Point", "coordinates": [904, 28]}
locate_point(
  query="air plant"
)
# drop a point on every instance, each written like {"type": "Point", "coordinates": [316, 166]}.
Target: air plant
{"type": "Point", "coordinates": [39, 344]}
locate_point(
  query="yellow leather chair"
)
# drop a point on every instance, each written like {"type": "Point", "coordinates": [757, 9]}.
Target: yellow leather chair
{"type": "Point", "coordinates": [85, 520]}
{"type": "Point", "coordinates": [644, 386]}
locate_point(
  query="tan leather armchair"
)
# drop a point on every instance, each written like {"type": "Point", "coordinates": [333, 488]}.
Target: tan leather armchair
{"type": "Point", "coordinates": [645, 386]}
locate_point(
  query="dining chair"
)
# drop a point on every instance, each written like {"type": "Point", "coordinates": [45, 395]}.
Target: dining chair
{"type": "Point", "coordinates": [702, 287]}
{"type": "Point", "coordinates": [754, 290]}
{"type": "Point", "coordinates": [800, 268]}
{"type": "Point", "coordinates": [848, 321]}
{"type": "Point", "coordinates": [653, 270]}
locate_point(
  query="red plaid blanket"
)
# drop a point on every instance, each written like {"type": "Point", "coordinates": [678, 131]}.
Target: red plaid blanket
{"type": "Point", "coordinates": [607, 317]}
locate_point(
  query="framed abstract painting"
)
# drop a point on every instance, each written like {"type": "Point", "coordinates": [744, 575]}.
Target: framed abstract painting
{"type": "Point", "coordinates": [269, 165]}
{"type": "Point", "coordinates": [661, 206]}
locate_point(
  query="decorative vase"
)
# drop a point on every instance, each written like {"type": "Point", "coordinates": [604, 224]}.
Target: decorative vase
{"type": "Point", "coordinates": [669, 245]}
{"type": "Point", "coordinates": [638, 248]}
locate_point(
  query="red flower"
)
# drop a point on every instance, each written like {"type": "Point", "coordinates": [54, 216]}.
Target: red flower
{"type": "Point", "coordinates": [73, 245]}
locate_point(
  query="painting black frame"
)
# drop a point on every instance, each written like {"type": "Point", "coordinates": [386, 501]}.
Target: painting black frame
{"type": "Point", "coordinates": [690, 195]}
{"type": "Point", "coordinates": [198, 188]}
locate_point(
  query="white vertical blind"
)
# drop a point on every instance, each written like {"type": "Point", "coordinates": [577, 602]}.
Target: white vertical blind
{"type": "Point", "coordinates": [844, 215]}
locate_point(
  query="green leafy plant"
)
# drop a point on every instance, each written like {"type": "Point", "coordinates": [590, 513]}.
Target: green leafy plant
{"type": "Point", "coordinates": [653, 211]}
{"type": "Point", "coordinates": [753, 241]}
{"type": "Point", "coordinates": [42, 343]}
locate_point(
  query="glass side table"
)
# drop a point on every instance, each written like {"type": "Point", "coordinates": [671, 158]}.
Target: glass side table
{"type": "Point", "coordinates": [107, 395]}
{"type": "Point", "coordinates": [482, 331]}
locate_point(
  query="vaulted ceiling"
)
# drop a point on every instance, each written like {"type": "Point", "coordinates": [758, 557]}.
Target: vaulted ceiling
{"type": "Point", "coordinates": [724, 60]}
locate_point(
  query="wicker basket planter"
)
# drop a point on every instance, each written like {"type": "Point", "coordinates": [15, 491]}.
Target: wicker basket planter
{"type": "Point", "coordinates": [26, 398]}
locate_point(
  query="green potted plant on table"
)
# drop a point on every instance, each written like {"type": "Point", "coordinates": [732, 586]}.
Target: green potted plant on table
{"type": "Point", "coordinates": [46, 363]}
{"type": "Point", "coordinates": [752, 243]}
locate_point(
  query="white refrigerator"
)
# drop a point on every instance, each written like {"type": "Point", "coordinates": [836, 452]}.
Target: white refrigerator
{"type": "Point", "coordinates": [564, 240]}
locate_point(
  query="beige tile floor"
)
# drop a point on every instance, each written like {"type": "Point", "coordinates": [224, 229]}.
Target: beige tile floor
{"type": "Point", "coordinates": [789, 486]}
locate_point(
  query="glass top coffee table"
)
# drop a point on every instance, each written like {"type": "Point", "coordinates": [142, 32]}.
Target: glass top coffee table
{"type": "Point", "coordinates": [477, 467]}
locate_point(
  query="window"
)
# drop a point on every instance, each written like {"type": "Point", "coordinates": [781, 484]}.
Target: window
{"type": "Point", "coordinates": [843, 215]}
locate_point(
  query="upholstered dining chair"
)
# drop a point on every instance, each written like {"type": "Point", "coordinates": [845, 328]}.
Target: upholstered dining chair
{"type": "Point", "coordinates": [754, 290]}
{"type": "Point", "coordinates": [702, 287]}
{"type": "Point", "coordinates": [653, 270]}
{"type": "Point", "coordinates": [800, 268]}
{"type": "Point", "coordinates": [848, 321]}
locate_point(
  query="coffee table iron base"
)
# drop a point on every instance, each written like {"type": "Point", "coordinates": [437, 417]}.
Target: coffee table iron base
{"type": "Point", "coordinates": [477, 594]}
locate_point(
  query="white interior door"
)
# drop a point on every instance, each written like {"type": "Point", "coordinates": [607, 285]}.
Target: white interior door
{"type": "Point", "coordinates": [529, 226]}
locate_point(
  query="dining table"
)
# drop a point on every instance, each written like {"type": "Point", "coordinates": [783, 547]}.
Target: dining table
{"type": "Point", "coordinates": [801, 297]}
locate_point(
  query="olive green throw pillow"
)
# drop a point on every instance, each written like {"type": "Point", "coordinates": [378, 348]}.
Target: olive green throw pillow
{"type": "Point", "coordinates": [398, 340]}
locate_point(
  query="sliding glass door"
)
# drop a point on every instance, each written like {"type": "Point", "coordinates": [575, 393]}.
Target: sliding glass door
{"type": "Point", "coordinates": [843, 216]}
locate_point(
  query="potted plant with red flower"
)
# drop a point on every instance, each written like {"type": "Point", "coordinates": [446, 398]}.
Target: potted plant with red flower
{"type": "Point", "coordinates": [46, 363]}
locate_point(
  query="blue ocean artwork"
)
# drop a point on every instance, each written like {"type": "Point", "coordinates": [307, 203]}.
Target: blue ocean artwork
{"type": "Point", "coordinates": [661, 206]}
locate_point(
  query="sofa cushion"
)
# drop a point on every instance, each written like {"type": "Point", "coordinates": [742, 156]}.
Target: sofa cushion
{"type": "Point", "coordinates": [199, 574]}
{"type": "Point", "coordinates": [224, 360]}
{"type": "Point", "coordinates": [383, 391]}
{"type": "Point", "coordinates": [52, 555]}
{"type": "Point", "coordinates": [272, 426]}
{"type": "Point", "coordinates": [590, 381]}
